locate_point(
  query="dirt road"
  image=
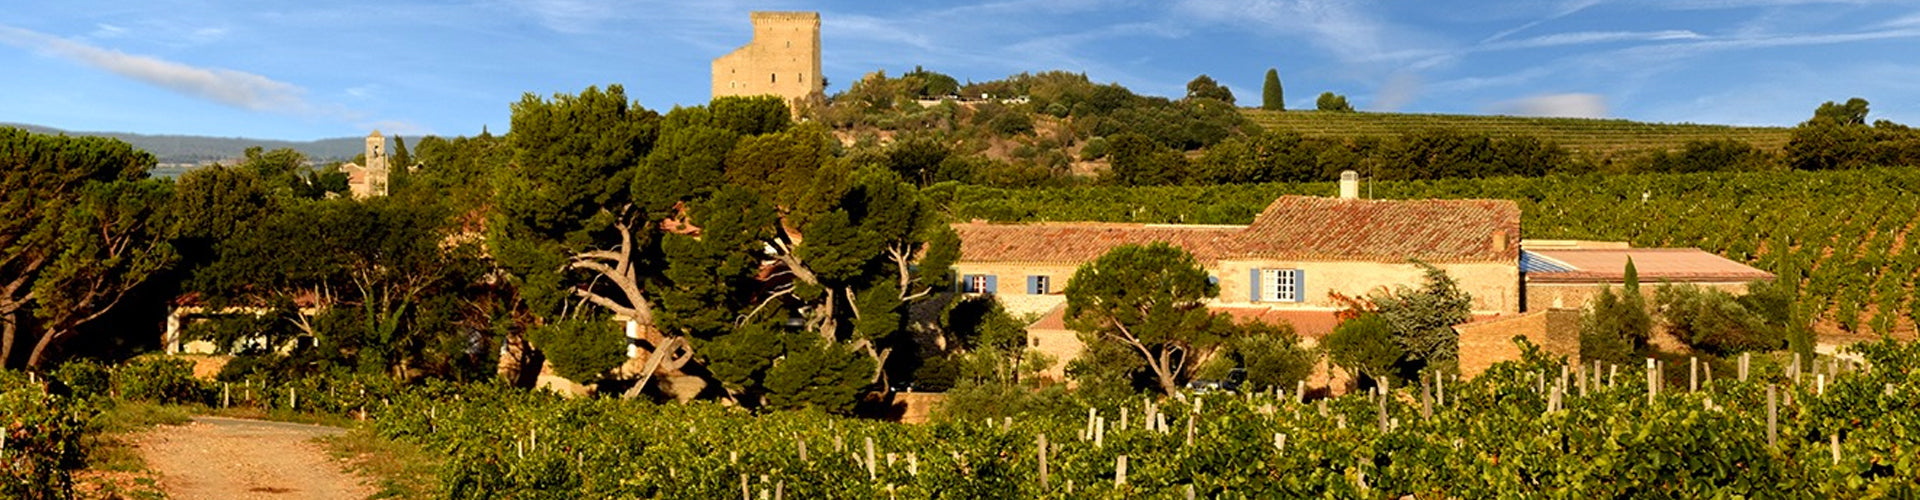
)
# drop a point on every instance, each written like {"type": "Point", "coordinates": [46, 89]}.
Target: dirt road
{"type": "Point", "coordinates": [226, 458]}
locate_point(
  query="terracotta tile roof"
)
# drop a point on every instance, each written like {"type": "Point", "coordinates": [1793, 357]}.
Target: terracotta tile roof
{"type": "Point", "coordinates": [1293, 227]}
{"type": "Point", "coordinates": [1315, 228]}
{"type": "Point", "coordinates": [1655, 265]}
{"type": "Point", "coordinates": [1076, 243]}
{"type": "Point", "coordinates": [1309, 324]}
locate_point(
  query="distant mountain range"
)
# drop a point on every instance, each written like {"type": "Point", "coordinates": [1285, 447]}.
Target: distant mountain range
{"type": "Point", "coordinates": [185, 150]}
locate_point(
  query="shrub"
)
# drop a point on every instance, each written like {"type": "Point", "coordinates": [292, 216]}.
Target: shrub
{"type": "Point", "coordinates": [160, 380]}
{"type": "Point", "coordinates": [1714, 321]}
{"type": "Point", "coordinates": [581, 350]}
{"type": "Point", "coordinates": [42, 434]}
{"type": "Point", "coordinates": [85, 378]}
{"type": "Point", "coordinates": [1271, 355]}
{"type": "Point", "coordinates": [1364, 345]}
{"type": "Point", "coordinates": [1095, 149]}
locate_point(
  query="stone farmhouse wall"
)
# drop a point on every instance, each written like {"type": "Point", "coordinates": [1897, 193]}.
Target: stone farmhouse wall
{"type": "Point", "coordinates": [1484, 343]}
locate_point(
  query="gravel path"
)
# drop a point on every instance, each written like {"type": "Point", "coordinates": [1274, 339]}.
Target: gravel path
{"type": "Point", "coordinates": [228, 458]}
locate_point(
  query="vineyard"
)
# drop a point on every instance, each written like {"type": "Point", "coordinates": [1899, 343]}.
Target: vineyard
{"type": "Point", "coordinates": [1842, 236]}
{"type": "Point", "coordinates": [1580, 135]}
{"type": "Point", "coordinates": [1760, 426]}
{"type": "Point", "coordinates": [1766, 426]}
{"type": "Point", "coordinates": [1526, 429]}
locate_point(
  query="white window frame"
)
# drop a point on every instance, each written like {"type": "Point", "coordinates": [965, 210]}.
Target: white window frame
{"type": "Point", "coordinates": [1279, 285]}
{"type": "Point", "coordinates": [977, 284]}
{"type": "Point", "coordinates": [1042, 284]}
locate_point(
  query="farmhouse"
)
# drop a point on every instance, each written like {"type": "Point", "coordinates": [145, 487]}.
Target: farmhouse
{"type": "Point", "coordinates": [1300, 253]}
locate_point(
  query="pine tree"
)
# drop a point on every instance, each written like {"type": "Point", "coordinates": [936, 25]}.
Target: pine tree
{"type": "Point", "coordinates": [1272, 97]}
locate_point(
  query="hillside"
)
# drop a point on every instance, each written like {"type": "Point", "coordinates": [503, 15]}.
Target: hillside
{"type": "Point", "coordinates": [1579, 135]}
{"type": "Point", "coordinates": [195, 150]}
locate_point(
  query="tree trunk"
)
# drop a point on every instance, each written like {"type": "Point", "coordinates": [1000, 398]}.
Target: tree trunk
{"type": "Point", "coordinates": [7, 327]}
{"type": "Point", "coordinates": [1163, 373]}
{"type": "Point", "coordinates": [661, 353]}
{"type": "Point", "coordinates": [40, 348]}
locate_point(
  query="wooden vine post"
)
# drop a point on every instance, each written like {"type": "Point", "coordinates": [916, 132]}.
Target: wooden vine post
{"type": "Point", "coordinates": [1041, 449]}
{"type": "Point", "coordinates": [1773, 415]}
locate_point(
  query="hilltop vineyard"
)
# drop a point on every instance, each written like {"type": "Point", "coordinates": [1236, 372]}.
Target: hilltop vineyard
{"type": "Point", "coordinates": [1580, 135]}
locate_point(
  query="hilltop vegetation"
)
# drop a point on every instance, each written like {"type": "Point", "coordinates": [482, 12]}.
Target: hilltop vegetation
{"type": "Point", "coordinates": [1061, 129]}
{"type": "Point", "coordinates": [171, 149]}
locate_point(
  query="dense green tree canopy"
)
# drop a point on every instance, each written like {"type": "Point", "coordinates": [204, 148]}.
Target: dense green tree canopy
{"type": "Point", "coordinates": [1272, 96]}
{"type": "Point", "coordinates": [1204, 87]}
{"type": "Point", "coordinates": [1150, 300]}
{"type": "Point", "coordinates": [1423, 318]}
{"type": "Point", "coordinates": [80, 228]}
{"type": "Point", "coordinates": [1329, 101]}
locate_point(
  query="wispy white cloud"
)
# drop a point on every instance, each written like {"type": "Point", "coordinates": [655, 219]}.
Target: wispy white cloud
{"type": "Point", "coordinates": [233, 88]}
{"type": "Point", "coordinates": [392, 128]}
{"type": "Point", "coordinates": [1703, 46]}
{"type": "Point", "coordinates": [1474, 83]}
{"type": "Point", "coordinates": [1350, 32]}
{"type": "Point", "coordinates": [1907, 21]}
{"type": "Point", "coordinates": [1746, 4]}
{"type": "Point", "coordinates": [1555, 105]}
{"type": "Point", "coordinates": [882, 30]}
{"type": "Point", "coordinates": [567, 16]}
{"type": "Point", "coordinates": [1563, 10]}
{"type": "Point", "coordinates": [1400, 90]}
{"type": "Point", "coordinates": [104, 30]}
{"type": "Point", "coordinates": [1592, 37]}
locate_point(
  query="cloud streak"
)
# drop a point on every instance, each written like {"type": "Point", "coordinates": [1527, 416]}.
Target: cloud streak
{"type": "Point", "coordinates": [1350, 33]}
{"type": "Point", "coordinates": [1555, 105]}
{"type": "Point", "coordinates": [229, 87]}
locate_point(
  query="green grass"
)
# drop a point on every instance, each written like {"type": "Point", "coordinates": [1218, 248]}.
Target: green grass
{"type": "Point", "coordinates": [401, 470]}
{"type": "Point", "coordinates": [1581, 135]}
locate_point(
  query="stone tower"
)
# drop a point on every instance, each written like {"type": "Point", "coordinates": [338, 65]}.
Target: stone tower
{"type": "Point", "coordinates": [783, 59]}
{"type": "Point", "coordinates": [371, 179]}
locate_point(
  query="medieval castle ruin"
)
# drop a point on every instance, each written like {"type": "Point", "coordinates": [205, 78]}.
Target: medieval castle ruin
{"type": "Point", "coordinates": [783, 59]}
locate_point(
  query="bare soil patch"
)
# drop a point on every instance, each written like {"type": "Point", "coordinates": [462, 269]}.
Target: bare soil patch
{"type": "Point", "coordinates": [229, 458]}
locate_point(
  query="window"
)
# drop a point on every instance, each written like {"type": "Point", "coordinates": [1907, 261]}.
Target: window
{"type": "Point", "coordinates": [1280, 285]}
{"type": "Point", "coordinates": [773, 78]}
{"type": "Point", "coordinates": [978, 283]}
{"type": "Point", "coordinates": [1039, 284]}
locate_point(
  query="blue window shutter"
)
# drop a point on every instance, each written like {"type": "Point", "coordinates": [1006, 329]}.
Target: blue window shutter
{"type": "Point", "coordinates": [1253, 285]}
{"type": "Point", "coordinates": [1299, 285]}
{"type": "Point", "coordinates": [963, 284]}
{"type": "Point", "coordinates": [993, 284]}
{"type": "Point", "coordinates": [1033, 285]}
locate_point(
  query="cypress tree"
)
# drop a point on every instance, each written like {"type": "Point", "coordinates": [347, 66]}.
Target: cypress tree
{"type": "Point", "coordinates": [1272, 97]}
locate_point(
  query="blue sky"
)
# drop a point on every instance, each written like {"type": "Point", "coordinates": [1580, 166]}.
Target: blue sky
{"type": "Point", "coordinates": [307, 70]}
